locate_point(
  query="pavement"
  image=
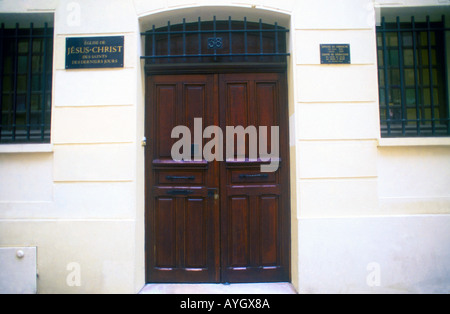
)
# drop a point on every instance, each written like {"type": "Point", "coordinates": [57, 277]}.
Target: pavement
{"type": "Point", "coordinates": [248, 289]}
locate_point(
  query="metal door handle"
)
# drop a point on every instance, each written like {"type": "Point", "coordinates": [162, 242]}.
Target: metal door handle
{"type": "Point", "coordinates": [180, 192]}
{"type": "Point", "coordinates": [213, 193]}
{"type": "Point", "coordinates": [171, 178]}
{"type": "Point", "coordinates": [246, 176]}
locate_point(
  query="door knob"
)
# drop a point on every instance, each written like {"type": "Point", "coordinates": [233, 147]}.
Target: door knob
{"type": "Point", "coordinates": [213, 193]}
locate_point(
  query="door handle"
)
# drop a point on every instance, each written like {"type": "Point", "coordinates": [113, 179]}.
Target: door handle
{"type": "Point", "coordinates": [213, 193]}
{"type": "Point", "coordinates": [247, 176]}
{"type": "Point", "coordinates": [180, 192]}
{"type": "Point", "coordinates": [171, 178]}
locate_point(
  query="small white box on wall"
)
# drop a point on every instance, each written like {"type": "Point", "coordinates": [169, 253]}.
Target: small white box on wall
{"type": "Point", "coordinates": [18, 270]}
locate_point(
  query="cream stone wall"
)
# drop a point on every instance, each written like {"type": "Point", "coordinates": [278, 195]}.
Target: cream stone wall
{"type": "Point", "coordinates": [78, 202]}
{"type": "Point", "coordinates": [356, 199]}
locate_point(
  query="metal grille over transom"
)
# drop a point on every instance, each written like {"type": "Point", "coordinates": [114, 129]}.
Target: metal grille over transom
{"type": "Point", "coordinates": [216, 42]}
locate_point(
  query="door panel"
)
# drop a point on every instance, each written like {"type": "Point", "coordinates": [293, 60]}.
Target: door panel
{"type": "Point", "coordinates": [195, 227]}
{"type": "Point", "coordinates": [239, 227]}
{"type": "Point", "coordinates": [165, 233]}
{"type": "Point", "coordinates": [254, 207]}
{"type": "Point", "coordinates": [182, 218]}
{"type": "Point", "coordinates": [166, 96]}
{"type": "Point", "coordinates": [269, 230]}
{"type": "Point", "coordinates": [216, 221]}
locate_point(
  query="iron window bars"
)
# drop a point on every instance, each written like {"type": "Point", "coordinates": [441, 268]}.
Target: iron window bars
{"type": "Point", "coordinates": [216, 41]}
{"type": "Point", "coordinates": [413, 78]}
{"type": "Point", "coordinates": [26, 60]}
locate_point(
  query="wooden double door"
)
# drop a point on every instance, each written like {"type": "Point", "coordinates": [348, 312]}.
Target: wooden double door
{"type": "Point", "coordinates": [218, 221]}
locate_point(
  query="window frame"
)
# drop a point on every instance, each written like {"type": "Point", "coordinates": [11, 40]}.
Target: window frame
{"type": "Point", "coordinates": [397, 124]}
{"type": "Point", "coordinates": [21, 122]}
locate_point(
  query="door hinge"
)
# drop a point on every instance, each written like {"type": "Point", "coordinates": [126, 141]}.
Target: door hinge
{"type": "Point", "coordinates": [144, 142]}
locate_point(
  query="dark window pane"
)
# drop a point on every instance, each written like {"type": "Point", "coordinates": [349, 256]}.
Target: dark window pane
{"type": "Point", "coordinates": [393, 58]}
{"type": "Point", "coordinates": [396, 96]}
{"type": "Point", "coordinates": [380, 58]}
{"type": "Point", "coordinates": [409, 77]}
{"type": "Point", "coordinates": [20, 119]}
{"type": "Point", "coordinates": [7, 103]}
{"type": "Point", "coordinates": [433, 38]}
{"type": "Point", "coordinates": [35, 102]}
{"type": "Point", "coordinates": [36, 83]}
{"type": "Point", "coordinates": [23, 46]}
{"type": "Point", "coordinates": [21, 103]}
{"type": "Point", "coordinates": [37, 46]}
{"type": "Point", "coordinates": [434, 57]}
{"type": "Point", "coordinates": [379, 39]}
{"type": "Point", "coordinates": [382, 97]}
{"type": "Point", "coordinates": [423, 38]}
{"type": "Point", "coordinates": [36, 64]}
{"type": "Point", "coordinates": [410, 97]}
{"type": "Point", "coordinates": [8, 65]}
{"type": "Point", "coordinates": [425, 57]}
{"type": "Point", "coordinates": [381, 78]}
{"type": "Point", "coordinates": [395, 77]}
{"type": "Point", "coordinates": [49, 83]}
{"type": "Point", "coordinates": [21, 83]}
{"type": "Point", "coordinates": [22, 92]}
{"type": "Point", "coordinates": [23, 64]}
{"type": "Point", "coordinates": [407, 39]}
{"type": "Point", "coordinates": [392, 39]}
{"type": "Point", "coordinates": [417, 87]}
{"type": "Point", "coordinates": [7, 84]}
{"type": "Point", "coordinates": [408, 57]}
{"type": "Point", "coordinates": [426, 96]}
{"type": "Point", "coordinates": [411, 115]}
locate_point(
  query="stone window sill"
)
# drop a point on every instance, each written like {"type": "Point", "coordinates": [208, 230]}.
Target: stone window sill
{"type": "Point", "coordinates": [405, 142]}
{"type": "Point", "coordinates": [25, 148]}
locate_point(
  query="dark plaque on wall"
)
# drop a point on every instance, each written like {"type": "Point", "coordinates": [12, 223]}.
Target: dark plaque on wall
{"type": "Point", "coordinates": [94, 52]}
{"type": "Point", "coordinates": [335, 54]}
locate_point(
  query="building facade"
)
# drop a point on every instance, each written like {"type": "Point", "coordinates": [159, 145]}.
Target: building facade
{"type": "Point", "coordinates": [89, 198]}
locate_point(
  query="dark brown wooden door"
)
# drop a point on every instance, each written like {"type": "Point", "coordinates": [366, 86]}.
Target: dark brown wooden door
{"type": "Point", "coordinates": [182, 220]}
{"type": "Point", "coordinates": [216, 221]}
{"type": "Point", "coordinates": [254, 207]}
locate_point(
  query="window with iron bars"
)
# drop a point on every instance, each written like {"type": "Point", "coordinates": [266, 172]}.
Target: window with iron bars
{"type": "Point", "coordinates": [26, 59]}
{"type": "Point", "coordinates": [413, 81]}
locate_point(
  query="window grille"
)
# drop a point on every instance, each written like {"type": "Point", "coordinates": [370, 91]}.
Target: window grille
{"type": "Point", "coordinates": [215, 42]}
{"type": "Point", "coordinates": [26, 59]}
{"type": "Point", "coordinates": [413, 78]}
